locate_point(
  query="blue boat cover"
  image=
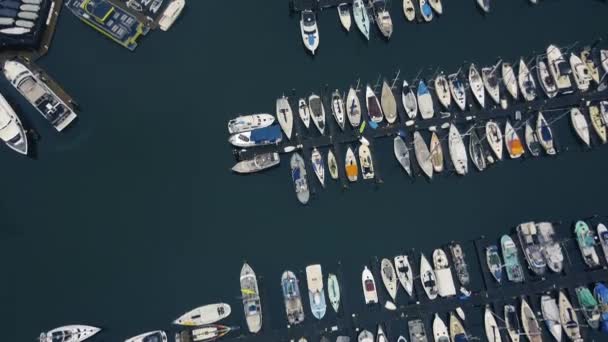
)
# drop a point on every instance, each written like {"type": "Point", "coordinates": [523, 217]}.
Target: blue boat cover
{"type": "Point", "coordinates": [545, 132]}
{"type": "Point", "coordinates": [422, 89]}
{"type": "Point", "coordinates": [461, 338]}
{"type": "Point", "coordinates": [426, 9]}
{"type": "Point", "coordinates": [373, 124]}
{"type": "Point", "coordinates": [295, 174]}
{"type": "Point", "coordinates": [270, 133]}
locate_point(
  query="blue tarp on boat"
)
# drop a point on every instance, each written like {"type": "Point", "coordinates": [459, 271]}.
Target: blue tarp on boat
{"type": "Point", "coordinates": [270, 134]}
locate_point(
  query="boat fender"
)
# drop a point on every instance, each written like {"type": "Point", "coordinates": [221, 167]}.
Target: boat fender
{"type": "Point", "coordinates": [409, 123]}
{"type": "Point", "coordinates": [469, 118]}
{"type": "Point", "coordinates": [390, 305]}
{"type": "Point", "coordinates": [433, 129]}
{"type": "Point", "coordinates": [445, 125]}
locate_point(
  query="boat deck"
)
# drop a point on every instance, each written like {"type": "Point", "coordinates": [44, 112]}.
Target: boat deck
{"type": "Point", "coordinates": [354, 315]}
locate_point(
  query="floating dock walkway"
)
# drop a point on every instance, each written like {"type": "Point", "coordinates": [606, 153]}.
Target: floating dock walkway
{"type": "Point", "coordinates": [485, 291]}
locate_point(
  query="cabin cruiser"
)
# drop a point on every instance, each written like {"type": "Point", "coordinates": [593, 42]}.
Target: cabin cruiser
{"type": "Point", "coordinates": [11, 129]}
{"type": "Point", "coordinates": [310, 31]}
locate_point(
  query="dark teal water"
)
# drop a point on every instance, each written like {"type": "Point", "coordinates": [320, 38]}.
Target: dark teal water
{"type": "Point", "coordinates": [132, 217]}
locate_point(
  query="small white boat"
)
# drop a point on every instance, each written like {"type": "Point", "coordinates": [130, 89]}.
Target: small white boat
{"type": "Point", "coordinates": [15, 31]}
{"type": "Point", "coordinates": [458, 151]}
{"type": "Point", "coordinates": [382, 17]}
{"type": "Point", "coordinates": [11, 129]}
{"type": "Point", "coordinates": [491, 82]}
{"type": "Point", "coordinates": [476, 83]}
{"type": "Point", "coordinates": [440, 330]}
{"type": "Point", "coordinates": [374, 111]}
{"type": "Point", "coordinates": [509, 79]}
{"type": "Point", "coordinates": [569, 319]}
{"type": "Point", "coordinates": [350, 165]}
{"type": "Point", "coordinates": [436, 6]}
{"type": "Point", "coordinates": [494, 138]}
{"type": "Point", "coordinates": [443, 273]}
{"type": "Point", "coordinates": [409, 10]}
{"type": "Point", "coordinates": [317, 112]}
{"type": "Point", "coordinates": [333, 289]}
{"type": "Point", "coordinates": [344, 13]}
{"type": "Point", "coordinates": [531, 140]}
{"type": "Point", "coordinates": [409, 101]}
{"type": "Point", "coordinates": [258, 163]}
{"type": "Point", "coordinates": [156, 336]}
{"type": "Point", "coordinates": [337, 108]}
{"type": "Point", "coordinates": [476, 151]}
{"type": "Point", "coordinates": [369, 287]}
{"type": "Point", "coordinates": [361, 17]}
{"type": "Point", "coordinates": [206, 314]}
{"type": "Point", "coordinates": [491, 327]}
{"type": "Point", "coordinates": [366, 162]}
{"type": "Point", "coordinates": [428, 278]}
{"type": "Point", "coordinates": [169, 16]}
{"type": "Point", "coordinates": [389, 105]}
{"type": "Point", "coordinates": [402, 154]}
{"type": "Point", "coordinates": [250, 295]}
{"type": "Point", "coordinates": [318, 165]}
{"type": "Point", "coordinates": [581, 73]}
{"type": "Point", "coordinates": [545, 135]}
{"type": "Point", "coordinates": [484, 5]}
{"type": "Point", "coordinates": [405, 274]}
{"type": "Point", "coordinates": [513, 143]}
{"type": "Point", "coordinates": [530, 323]}
{"type": "Point", "coordinates": [389, 277]}
{"type": "Point", "coordinates": [579, 123]}
{"type": "Point", "coordinates": [309, 30]}
{"type": "Point", "coordinates": [246, 123]}
{"type": "Point", "coordinates": [423, 155]}
{"type": "Point", "coordinates": [598, 123]}
{"type": "Point", "coordinates": [442, 89]}
{"type": "Point", "coordinates": [436, 153]}
{"type": "Point", "coordinates": [512, 323]}
{"type": "Point", "coordinates": [457, 89]}
{"type": "Point", "coordinates": [526, 82]}
{"type": "Point", "coordinates": [304, 112]}
{"type": "Point", "coordinates": [425, 101]}
{"type": "Point", "coordinates": [426, 10]}
{"type": "Point", "coordinates": [604, 59]}
{"type": "Point", "coordinates": [545, 78]}
{"type": "Point", "coordinates": [69, 333]}
{"type": "Point", "coordinates": [365, 336]}
{"type": "Point", "coordinates": [559, 68]}
{"type": "Point", "coordinates": [353, 108]}
{"type": "Point", "coordinates": [380, 335]}
{"type": "Point", "coordinates": [550, 311]}
{"type": "Point", "coordinates": [206, 333]}
{"type": "Point", "coordinates": [332, 164]}
{"type": "Point", "coordinates": [587, 58]}
{"type": "Point", "coordinates": [602, 234]}
{"type": "Point", "coordinates": [457, 332]}
{"type": "Point", "coordinates": [285, 116]}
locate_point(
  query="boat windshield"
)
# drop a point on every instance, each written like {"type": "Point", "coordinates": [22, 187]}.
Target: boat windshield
{"type": "Point", "coordinates": [369, 286]}
{"type": "Point", "coordinates": [308, 18]}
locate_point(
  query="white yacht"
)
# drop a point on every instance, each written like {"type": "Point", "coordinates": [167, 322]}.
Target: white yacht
{"type": "Point", "coordinates": [559, 68]}
{"type": "Point", "coordinates": [36, 92]}
{"type": "Point", "coordinates": [174, 9]}
{"type": "Point", "coordinates": [11, 129]}
{"type": "Point", "coordinates": [69, 333]}
{"type": "Point", "coordinates": [151, 336]}
{"type": "Point", "coordinates": [310, 32]}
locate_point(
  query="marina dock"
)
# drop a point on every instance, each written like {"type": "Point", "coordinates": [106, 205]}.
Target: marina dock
{"type": "Point", "coordinates": [550, 108]}
{"type": "Point", "coordinates": [485, 291]}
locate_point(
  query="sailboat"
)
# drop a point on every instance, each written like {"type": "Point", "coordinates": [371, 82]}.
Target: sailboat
{"type": "Point", "coordinates": [361, 17]}
{"type": "Point", "coordinates": [423, 155]}
{"type": "Point", "coordinates": [491, 327]}
{"type": "Point", "coordinates": [428, 278]}
{"type": "Point", "coordinates": [476, 83]}
{"type": "Point", "coordinates": [426, 10]}
{"type": "Point", "coordinates": [425, 101]}
{"type": "Point", "coordinates": [206, 314]}
{"type": "Point", "coordinates": [409, 101]}
{"type": "Point", "coordinates": [344, 13]}
{"type": "Point", "coordinates": [509, 79]}
{"type": "Point", "coordinates": [526, 82]}
{"type": "Point", "coordinates": [550, 312]}
{"type": "Point", "coordinates": [569, 319]}
{"type": "Point", "coordinates": [545, 135]}
{"type": "Point", "coordinates": [512, 141]}
{"type": "Point", "coordinates": [383, 18]}
{"type": "Point", "coordinates": [440, 330]}
{"type": "Point", "coordinates": [353, 108]}
{"type": "Point", "coordinates": [318, 165]}
{"type": "Point", "coordinates": [512, 323]}
{"type": "Point", "coordinates": [156, 335]}
{"type": "Point", "coordinates": [491, 83]}
{"type": "Point", "coordinates": [208, 332]}
{"type": "Point", "coordinates": [365, 160]}
{"type": "Point", "coordinates": [457, 89]}
{"type": "Point", "coordinates": [374, 110]}
{"type": "Point", "coordinates": [494, 138]}
{"type": "Point", "coordinates": [579, 123]}
{"type": "Point", "coordinates": [598, 123]}
{"type": "Point", "coordinates": [405, 273]}
{"type": "Point", "coordinates": [284, 116]}
{"type": "Point", "coordinates": [337, 108]}
{"type": "Point", "coordinates": [402, 154]}
{"type": "Point", "coordinates": [69, 333]}
{"type": "Point", "coordinates": [581, 73]}
{"type": "Point", "coordinates": [389, 105]}
{"type": "Point", "coordinates": [442, 89]}
{"type": "Point", "coordinates": [317, 112]}
{"type": "Point", "coordinates": [545, 78]}
{"type": "Point", "coordinates": [333, 289]}
{"type": "Point", "coordinates": [531, 140]}
{"type": "Point", "coordinates": [332, 164]}
{"type": "Point", "coordinates": [409, 10]}
{"type": "Point", "coordinates": [476, 151]}
{"type": "Point", "coordinates": [458, 152]}
{"type": "Point", "coordinates": [530, 323]}
{"type": "Point", "coordinates": [436, 153]}
{"type": "Point", "coordinates": [304, 112]}
{"type": "Point", "coordinates": [350, 165]}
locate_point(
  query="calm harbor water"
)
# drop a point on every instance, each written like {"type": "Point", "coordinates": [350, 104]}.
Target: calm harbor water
{"type": "Point", "coordinates": [132, 216]}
